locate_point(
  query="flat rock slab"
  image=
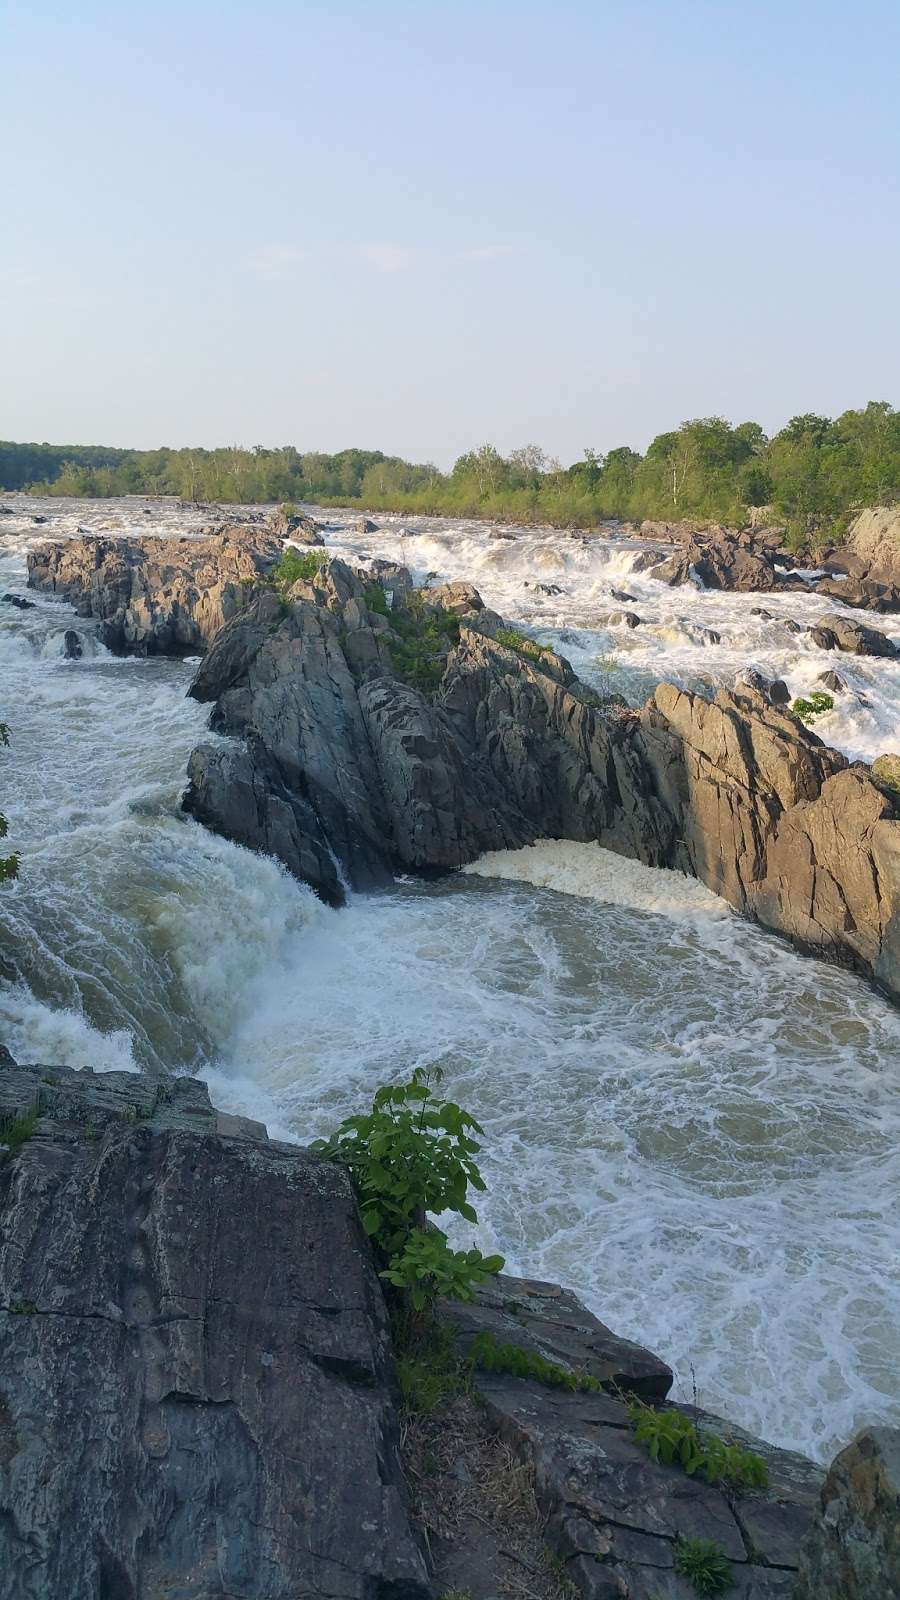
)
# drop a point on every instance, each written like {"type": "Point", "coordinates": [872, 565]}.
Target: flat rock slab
{"type": "Point", "coordinates": [552, 1321]}
{"type": "Point", "coordinates": [196, 1384]}
{"type": "Point", "coordinates": [614, 1515]}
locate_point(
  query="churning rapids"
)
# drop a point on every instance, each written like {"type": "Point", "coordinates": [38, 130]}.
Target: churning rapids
{"type": "Point", "coordinates": [696, 1128]}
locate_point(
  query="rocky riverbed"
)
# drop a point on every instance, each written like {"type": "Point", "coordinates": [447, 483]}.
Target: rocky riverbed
{"type": "Point", "coordinates": [735, 1101]}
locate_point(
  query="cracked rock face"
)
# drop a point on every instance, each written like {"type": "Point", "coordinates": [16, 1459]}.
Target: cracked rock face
{"type": "Point", "coordinates": [613, 1515]}
{"type": "Point", "coordinates": [348, 772]}
{"type": "Point", "coordinates": [155, 596]}
{"type": "Point", "coordinates": [196, 1389]}
{"type": "Point", "coordinates": [853, 1552]}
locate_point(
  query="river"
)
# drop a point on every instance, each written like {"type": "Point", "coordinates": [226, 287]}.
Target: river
{"type": "Point", "coordinates": [695, 1127]}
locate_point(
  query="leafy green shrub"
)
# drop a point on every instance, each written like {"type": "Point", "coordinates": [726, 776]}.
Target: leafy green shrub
{"type": "Point", "coordinates": [295, 566]}
{"type": "Point", "coordinates": [288, 509]}
{"type": "Point", "coordinates": [376, 599]}
{"type": "Point", "coordinates": [15, 1131]}
{"type": "Point", "coordinates": [409, 1155]}
{"type": "Point", "coordinates": [419, 652]}
{"type": "Point", "coordinates": [705, 1566]}
{"type": "Point", "coordinates": [429, 1270]}
{"type": "Point", "coordinates": [490, 1356]}
{"type": "Point", "coordinates": [672, 1438]}
{"type": "Point", "coordinates": [514, 640]}
{"type": "Point", "coordinates": [806, 711]}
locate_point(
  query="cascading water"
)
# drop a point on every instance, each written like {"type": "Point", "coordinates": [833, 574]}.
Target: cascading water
{"type": "Point", "coordinates": [693, 1125]}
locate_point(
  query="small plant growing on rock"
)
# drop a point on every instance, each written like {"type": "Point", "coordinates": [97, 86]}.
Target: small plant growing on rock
{"type": "Point", "coordinates": [490, 1356]}
{"type": "Point", "coordinates": [376, 599]}
{"type": "Point", "coordinates": [514, 640]}
{"type": "Point", "coordinates": [14, 1132]}
{"type": "Point", "coordinates": [295, 566]}
{"type": "Point", "coordinates": [409, 1155]}
{"type": "Point", "coordinates": [705, 1566]}
{"type": "Point", "coordinates": [673, 1439]}
{"type": "Point", "coordinates": [806, 711]}
{"type": "Point", "coordinates": [429, 1270]}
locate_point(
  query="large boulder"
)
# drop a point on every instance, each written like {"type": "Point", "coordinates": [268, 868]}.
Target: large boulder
{"type": "Point", "coordinates": [196, 1381]}
{"type": "Point", "coordinates": [836, 632]}
{"type": "Point", "coordinates": [875, 538]}
{"type": "Point", "coordinates": [297, 526]}
{"type": "Point", "coordinates": [853, 1552]}
{"type": "Point", "coordinates": [720, 560]}
{"type": "Point", "coordinates": [155, 596]}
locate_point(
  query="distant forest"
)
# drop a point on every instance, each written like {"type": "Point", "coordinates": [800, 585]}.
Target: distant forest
{"type": "Point", "coordinates": [814, 472]}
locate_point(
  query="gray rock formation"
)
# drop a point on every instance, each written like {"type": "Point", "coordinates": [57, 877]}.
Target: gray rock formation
{"type": "Point", "coordinates": [612, 1514]}
{"type": "Point", "coordinates": [835, 632]}
{"type": "Point", "coordinates": [719, 559]}
{"type": "Point", "coordinates": [853, 1552]}
{"type": "Point", "coordinates": [349, 769]}
{"type": "Point", "coordinates": [196, 1381]}
{"type": "Point", "coordinates": [155, 596]}
{"type": "Point", "coordinates": [296, 525]}
{"type": "Point", "coordinates": [875, 538]}
{"type": "Point", "coordinates": [553, 1323]}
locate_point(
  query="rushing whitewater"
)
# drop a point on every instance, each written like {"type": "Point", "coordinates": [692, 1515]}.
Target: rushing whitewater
{"type": "Point", "coordinates": [695, 1127]}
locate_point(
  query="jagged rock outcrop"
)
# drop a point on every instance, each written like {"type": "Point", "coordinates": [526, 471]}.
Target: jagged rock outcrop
{"type": "Point", "coordinates": [349, 771]}
{"type": "Point", "coordinates": [720, 559]}
{"type": "Point", "coordinates": [196, 1382]}
{"type": "Point", "coordinates": [875, 539]}
{"type": "Point", "coordinates": [296, 525]}
{"type": "Point", "coordinates": [348, 762]}
{"type": "Point", "coordinates": [853, 1552]}
{"type": "Point", "coordinates": [155, 596]}
{"type": "Point", "coordinates": [612, 1515]}
{"type": "Point", "coordinates": [835, 632]}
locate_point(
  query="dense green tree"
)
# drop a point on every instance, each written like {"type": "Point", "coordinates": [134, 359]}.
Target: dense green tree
{"type": "Point", "coordinates": [814, 472]}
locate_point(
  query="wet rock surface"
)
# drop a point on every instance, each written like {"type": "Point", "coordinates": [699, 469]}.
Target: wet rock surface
{"type": "Point", "coordinates": [196, 1386]}
{"type": "Point", "coordinates": [835, 632]}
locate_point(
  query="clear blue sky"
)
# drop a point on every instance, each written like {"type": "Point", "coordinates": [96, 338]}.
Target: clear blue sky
{"type": "Point", "coordinates": [419, 226]}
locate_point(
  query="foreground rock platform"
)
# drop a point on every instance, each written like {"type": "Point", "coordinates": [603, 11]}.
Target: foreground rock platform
{"type": "Point", "coordinates": [612, 1515]}
{"type": "Point", "coordinates": [196, 1380]}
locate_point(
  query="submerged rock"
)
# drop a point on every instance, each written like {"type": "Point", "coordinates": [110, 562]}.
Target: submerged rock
{"type": "Point", "coordinates": [73, 649]}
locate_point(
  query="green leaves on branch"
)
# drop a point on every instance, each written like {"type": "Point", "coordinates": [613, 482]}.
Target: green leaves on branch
{"type": "Point", "coordinates": [806, 711]}
{"type": "Point", "coordinates": [673, 1439]}
{"type": "Point", "coordinates": [429, 1270]}
{"type": "Point", "coordinates": [410, 1155]}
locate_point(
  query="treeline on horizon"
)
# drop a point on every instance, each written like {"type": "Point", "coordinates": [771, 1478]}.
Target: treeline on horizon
{"type": "Point", "coordinates": [813, 473]}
